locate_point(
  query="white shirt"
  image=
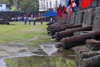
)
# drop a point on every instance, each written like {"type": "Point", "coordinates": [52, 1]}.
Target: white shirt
{"type": "Point", "coordinates": [25, 18]}
{"type": "Point", "coordinates": [74, 4]}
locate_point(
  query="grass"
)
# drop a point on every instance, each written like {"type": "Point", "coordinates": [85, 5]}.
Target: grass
{"type": "Point", "coordinates": [41, 40]}
{"type": "Point", "coordinates": [33, 45]}
{"type": "Point", "coordinates": [2, 50]}
{"type": "Point", "coordinates": [17, 31]}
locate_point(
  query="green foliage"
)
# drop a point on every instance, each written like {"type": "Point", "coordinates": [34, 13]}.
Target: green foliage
{"type": "Point", "coordinates": [13, 8]}
{"type": "Point", "coordinates": [31, 5]}
{"type": "Point", "coordinates": [23, 4]}
{"type": "Point", "coordinates": [19, 9]}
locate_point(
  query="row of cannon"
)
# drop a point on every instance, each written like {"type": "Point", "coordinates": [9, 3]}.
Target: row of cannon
{"type": "Point", "coordinates": [63, 31]}
{"type": "Point", "coordinates": [69, 40]}
{"type": "Point", "coordinates": [75, 34]}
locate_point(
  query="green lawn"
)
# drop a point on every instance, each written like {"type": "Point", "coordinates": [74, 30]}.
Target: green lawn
{"type": "Point", "coordinates": [17, 31]}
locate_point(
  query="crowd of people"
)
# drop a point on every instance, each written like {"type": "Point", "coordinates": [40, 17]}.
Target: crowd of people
{"type": "Point", "coordinates": [29, 19]}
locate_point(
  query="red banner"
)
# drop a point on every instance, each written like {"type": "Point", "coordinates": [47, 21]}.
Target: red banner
{"type": "Point", "coordinates": [71, 5]}
{"type": "Point", "coordinates": [85, 3]}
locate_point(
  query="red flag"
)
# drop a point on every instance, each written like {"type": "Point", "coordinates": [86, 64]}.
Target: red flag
{"type": "Point", "coordinates": [66, 15]}
{"type": "Point", "coordinates": [85, 3]}
{"type": "Point", "coordinates": [71, 5]}
{"type": "Point", "coordinates": [60, 12]}
{"type": "Point", "coordinates": [64, 10]}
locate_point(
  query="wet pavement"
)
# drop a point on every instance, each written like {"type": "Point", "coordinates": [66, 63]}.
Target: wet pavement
{"type": "Point", "coordinates": [45, 56]}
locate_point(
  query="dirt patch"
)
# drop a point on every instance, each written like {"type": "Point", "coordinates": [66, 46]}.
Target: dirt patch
{"type": "Point", "coordinates": [11, 48]}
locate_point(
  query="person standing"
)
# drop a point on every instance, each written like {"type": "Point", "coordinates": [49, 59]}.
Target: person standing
{"type": "Point", "coordinates": [34, 19]}
{"type": "Point", "coordinates": [41, 20]}
{"type": "Point", "coordinates": [50, 19]}
{"type": "Point", "coordinates": [25, 19]}
{"type": "Point", "coordinates": [74, 5]}
{"type": "Point", "coordinates": [29, 20]}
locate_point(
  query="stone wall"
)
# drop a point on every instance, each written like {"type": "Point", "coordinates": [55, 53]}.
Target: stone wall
{"type": "Point", "coordinates": [72, 18]}
{"type": "Point", "coordinates": [96, 21]}
{"type": "Point", "coordinates": [68, 18]}
{"type": "Point", "coordinates": [88, 17]}
{"type": "Point", "coordinates": [62, 19]}
{"type": "Point", "coordinates": [79, 17]}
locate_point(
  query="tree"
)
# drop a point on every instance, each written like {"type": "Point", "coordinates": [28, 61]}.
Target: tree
{"type": "Point", "coordinates": [31, 5]}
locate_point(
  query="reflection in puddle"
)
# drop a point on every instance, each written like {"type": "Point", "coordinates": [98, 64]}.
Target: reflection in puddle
{"type": "Point", "coordinates": [48, 48]}
{"type": "Point", "coordinates": [39, 61]}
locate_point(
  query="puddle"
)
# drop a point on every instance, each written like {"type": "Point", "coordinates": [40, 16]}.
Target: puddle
{"type": "Point", "coordinates": [45, 56]}
{"type": "Point", "coordinates": [48, 48]}
{"type": "Point", "coordinates": [28, 54]}
{"type": "Point", "coordinates": [40, 61]}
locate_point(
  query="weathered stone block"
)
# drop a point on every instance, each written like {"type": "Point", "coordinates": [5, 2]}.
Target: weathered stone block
{"type": "Point", "coordinates": [96, 21]}
{"type": "Point", "coordinates": [88, 17]}
{"type": "Point", "coordinates": [79, 17]}
{"type": "Point", "coordinates": [68, 18]}
{"type": "Point", "coordinates": [93, 44]}
{"type": "Point", "coordinates": [84, 52]}
{"type": "Point", "coordinates": [72, 18]}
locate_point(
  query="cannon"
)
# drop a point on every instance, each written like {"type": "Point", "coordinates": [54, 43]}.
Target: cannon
{"type": "Point", "coordinates": [63, 26]}
{"type": "Point", "coordinates": [70, 32]}
{"type": "Point", "coordinates": [49, 23]}
{"type": "Point", "coordinates": [91, 62]}
{"type": "Point", "coordinates": [69, 42]}
{"type": "Point", "coordinates": [56, 25]}
{"type": "Point", "coordinates": [53, 31]}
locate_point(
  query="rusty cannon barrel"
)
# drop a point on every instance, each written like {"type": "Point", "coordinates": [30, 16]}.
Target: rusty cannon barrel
{"type": "Point", "coordinates": [53, 31]}
{"type": "Point", "coordinates": [49, 23]}
{"type": "Point", "coordinates": [52, 22]}
{"type": "Point", "coordinates": [57, 26]}
{"type": "Point", "coordinates": [70, 32]}
{"type": "Point", "coordinates": [52, 25]}
{"type": "Point", "coordinates": [69, 42]}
